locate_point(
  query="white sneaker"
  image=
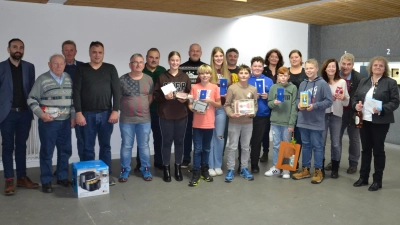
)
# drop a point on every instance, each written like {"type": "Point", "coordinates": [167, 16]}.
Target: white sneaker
{"type": "Point", "coordinates": [285, 174]}
{"type": "Point", "coordinates": [218, 171]}
{"type": "Point", "coordinates": [272, 171]}
{"type": "Point", "coordinates": [212, 172]}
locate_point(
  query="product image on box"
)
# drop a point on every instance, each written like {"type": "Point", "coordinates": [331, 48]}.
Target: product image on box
{"type": "Point", "coordinates": [90, 178]}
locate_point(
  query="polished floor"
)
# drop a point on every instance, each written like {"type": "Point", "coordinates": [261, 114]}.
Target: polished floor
{"type": "Point", "coordinates": [266, 200]}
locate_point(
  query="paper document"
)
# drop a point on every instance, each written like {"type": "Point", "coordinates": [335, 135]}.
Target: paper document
{"type": "Point", "coordinates": [371, 103]}
{"type": "Point", "coordinates": [168, 88]}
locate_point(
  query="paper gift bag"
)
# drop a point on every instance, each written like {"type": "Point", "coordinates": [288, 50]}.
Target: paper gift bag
{"type": "Point", "coordinates": [288, 155]}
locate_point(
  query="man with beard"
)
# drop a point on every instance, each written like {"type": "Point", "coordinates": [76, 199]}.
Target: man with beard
{"type": "Point", "coordinates": [16, 80]}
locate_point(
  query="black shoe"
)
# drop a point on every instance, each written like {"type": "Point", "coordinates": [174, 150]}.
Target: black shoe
{"type": "Point", "coordinates": [195, 178]}
{"type": "Point", "coordinates": [178, 173]}
{"type": "Point", "coordinates": [352, 169]}
{"type": "Point", "coordinates": [334, 174]}
{"type": "Point", "coordinates": [205, 175]}
{"type": "Point", "coordinates": [167, 174]}
{"type": "Point", "coordinates": [64, 182]}
{"type": "Point", "coordinates": [185, 164]}
{"type": "Point", "coordinates": [46, 188]}
{"type": "Point", "coordinates": [255, 169]}
{"type": "Point", "coordinates": [158, 166]}
{"type": "Point", "coordinates": [238, 170]}
{"type": "Point", "coordinates": [137, 168]}
{"type": "Point", "coordinates": [55, 173]}
{"type": "Point", "coordinates": [375, 186]}
{"type": "Point", "coordinates": [360, 182]}
{"type": "Point", "coordinates": [264, 157]}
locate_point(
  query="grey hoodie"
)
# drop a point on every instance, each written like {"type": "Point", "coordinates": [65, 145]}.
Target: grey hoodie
{"type": "Point", "coordinates": [321, 98]}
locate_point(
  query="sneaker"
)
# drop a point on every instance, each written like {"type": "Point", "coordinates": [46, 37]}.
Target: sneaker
{"type": "Point", "coordinates": [146, 174]}
{"type": "Point", "coordinates": [318, 177]}
{"type": "Point", "coordinates": [218, 171]}
{"type": "Point", "coordinates": [229, 176]}
{"type": "Point", "coordinates": [285, 174]}
{"type": "Point", "coordinates": [272, 171]}
{"type": "Point", "coordinates": [195, 178]}
{"type": "Point", "coordinates": [246, 174]}
{"type": "Point", "coordinates": [185, 164]}
{"type": "Point", "coordinates": [328, 167]}
{"type": "Point", "coordinates": [212, 172]}
{"type": "Point", "coordinates": [123, 176]}
{"type": "Point", "coordinates": [111, 182]}
{"type": "Point", "coordinates": [304, 173]}
{"type": "Point", "coordinates": [352, 169]}
{"type": "Point", "coordinates": [264, 157]}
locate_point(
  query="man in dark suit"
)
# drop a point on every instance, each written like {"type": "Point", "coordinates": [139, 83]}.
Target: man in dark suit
{"type": "Point", "coordinates": [16, 80]}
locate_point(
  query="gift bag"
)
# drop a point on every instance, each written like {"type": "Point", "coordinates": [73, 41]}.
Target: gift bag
{"type": "Point", "coordinates": [288, 155]}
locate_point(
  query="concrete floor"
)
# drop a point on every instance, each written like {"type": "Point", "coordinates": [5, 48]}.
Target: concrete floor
{"type": "Point", "coordinates": [266, 200]}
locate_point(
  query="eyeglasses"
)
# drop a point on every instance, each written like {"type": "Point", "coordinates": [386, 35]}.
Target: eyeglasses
{"type": "Point", "coordinates": [136, 63]}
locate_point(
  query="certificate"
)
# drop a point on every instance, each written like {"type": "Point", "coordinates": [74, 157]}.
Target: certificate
{"type": "Point", "coordinates": [244, 106]}
{"type": "Point", "coordinates": [370, 104]}
{"type": "Point", "coordinates": [168, 88]}
{"type": "Point", "coordinates": [199, 106]}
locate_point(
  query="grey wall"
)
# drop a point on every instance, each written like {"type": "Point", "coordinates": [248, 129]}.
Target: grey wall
{"type": "Point", "coordinates": [364, 40]}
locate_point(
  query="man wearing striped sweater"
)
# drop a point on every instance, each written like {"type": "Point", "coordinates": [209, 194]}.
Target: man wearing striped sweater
{"type": "Point", "coordinates": [51, 100]}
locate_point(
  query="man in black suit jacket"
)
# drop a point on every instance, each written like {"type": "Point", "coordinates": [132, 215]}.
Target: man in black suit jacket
{"type": "Point", "coordinates": [16, 80]}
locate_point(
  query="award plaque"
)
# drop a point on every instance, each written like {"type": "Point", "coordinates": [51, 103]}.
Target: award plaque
{"type": "Point", "coordinates": [244, 106]}
{"type": "Point", "coordinates": [304, 99]}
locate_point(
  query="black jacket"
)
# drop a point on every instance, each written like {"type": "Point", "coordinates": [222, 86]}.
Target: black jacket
{"type": "Point", "coordinates": [354, 81]}
{"type": "Point", "coordinates": [386, 91]}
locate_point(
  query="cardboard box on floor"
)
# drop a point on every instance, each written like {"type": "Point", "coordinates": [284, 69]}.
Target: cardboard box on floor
{"type": "Point", "coordinates": [90, 178]}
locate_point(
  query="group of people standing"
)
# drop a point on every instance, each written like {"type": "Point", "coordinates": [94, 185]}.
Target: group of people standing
{"type": "Point", "coordinates": [91, 97]}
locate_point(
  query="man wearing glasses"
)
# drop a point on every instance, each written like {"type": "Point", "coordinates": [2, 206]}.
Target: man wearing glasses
{"type": "Point", "coordinates": [136, 97]}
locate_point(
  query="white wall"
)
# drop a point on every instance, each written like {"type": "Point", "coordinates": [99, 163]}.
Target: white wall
{"type": "Point", "coordinates": [123, 32]}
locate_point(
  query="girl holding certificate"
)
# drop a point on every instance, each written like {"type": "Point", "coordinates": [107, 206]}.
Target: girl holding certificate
{"type": "Point", "coordinates": [221, 76]}
{"type": "Point", "coordinates": [378, 86]}
{"type": "Point", "coordinates": [173, 113]}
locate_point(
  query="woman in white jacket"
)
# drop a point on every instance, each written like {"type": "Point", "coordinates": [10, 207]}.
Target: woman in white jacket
{"type": "Point", "coordinates": [333, 114]}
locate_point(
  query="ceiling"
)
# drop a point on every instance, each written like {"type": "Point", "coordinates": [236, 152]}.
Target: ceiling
{"type": "Point", "coordinates": [317, 12]}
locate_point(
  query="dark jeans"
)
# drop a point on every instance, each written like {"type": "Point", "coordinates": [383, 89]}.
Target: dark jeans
{"type": "Point", "coordinates": [265, 138]}
{"type": "Point", "coordinates": [202, 145]}
{"type": "Point", "coordinates": [155, 128]}
{"type": "Point", "coordinates": [354, 137]}
{"type": "Point", "coordinates": [15, 132]}
{"type": "Point", "coordinates": [172, 131]}
{"type": "Point", "coordinates": [79, 143]}
{"type": "Point", "coordinates": [97, 125]}
{"type": "Point", "coordinates": [54, 134]}
{"type": "Point", "coordinates": [261, 127]}
{"type": "Point", "coordinates": [373, 142]}
{"type": "Point", "coordinates": [187, 149]}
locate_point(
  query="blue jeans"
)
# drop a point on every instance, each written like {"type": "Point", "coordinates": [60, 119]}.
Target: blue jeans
{"type": "Point", "coordinates": [312, 142]}
{"type": "Point", "coordinates": [155, 128]}
{"type": "Point", "coordinates": [15, 132]}
{"type": "Point", "coordinates": [79, 143]}
{"type": "Point", "coordinates": [97, 125]}
{"type": "Point", "coordinates": [279, 133]}
{"type": "Point", "coordinates": [217, 143]}
{"type": "Point", "coordinates": [334, 124]}
{"type": "Point", "coordinates": [202, 144]}
{"type": "Point", "coordinates": [128, 132]}
{"type": "Point", "coordinates": [54, 134]}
